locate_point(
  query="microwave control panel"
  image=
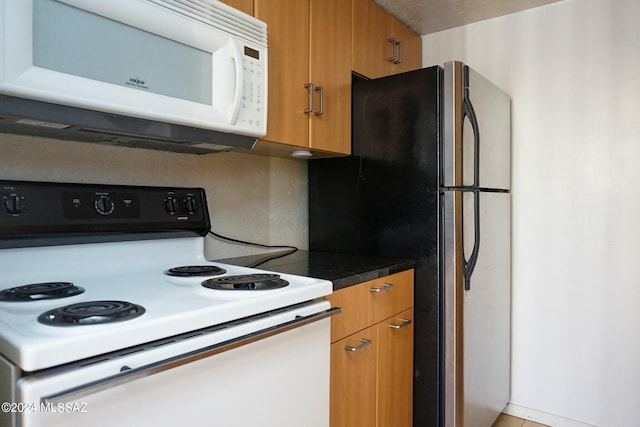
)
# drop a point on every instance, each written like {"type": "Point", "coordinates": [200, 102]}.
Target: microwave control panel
{"type": "Point", "coordinates": [252, 113]}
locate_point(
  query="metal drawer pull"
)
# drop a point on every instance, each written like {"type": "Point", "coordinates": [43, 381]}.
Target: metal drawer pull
{"type": "Point", "coordinates": [405, 322]}
{"type": "Point", "coordinates": [392, 58]}
{"type": "Point", "coordinates": [384, 288]}
{"type": "Point", "coordinates": [365, 343]}
{"type": "Point", "coordinates": [321, 110]}
{"type": "Point", "coordinates": [309, 87]}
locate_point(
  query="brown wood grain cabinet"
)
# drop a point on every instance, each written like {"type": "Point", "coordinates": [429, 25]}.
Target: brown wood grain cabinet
{"type": "Point", "coordinates": [410, 53]}
{"type": "Point", "coordinates": [244, 5]}
{"type": "Point", "coordinates": [372, 353]}
{"type": "Point", "coordinates": [353, 380]}
{"type": "Point", "coordinates": [395, 372]}
{"type": "Point", "coordinates": [382, 45]}
{"type": "Point", "coordinates": [314, 45]}
{"type": "Point", "coordinates": [288, 32]}
{"type": "Point", "coordinates": [309, 73]}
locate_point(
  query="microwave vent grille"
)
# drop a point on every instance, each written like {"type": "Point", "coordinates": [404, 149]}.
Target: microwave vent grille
{"type": "Point", "coordinates": [219, 15]}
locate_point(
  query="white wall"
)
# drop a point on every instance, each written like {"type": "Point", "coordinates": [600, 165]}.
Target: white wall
{"type": "Point", "coordinates": [250, 197]}
{"type": "Point", "coordinates": [573, 71]}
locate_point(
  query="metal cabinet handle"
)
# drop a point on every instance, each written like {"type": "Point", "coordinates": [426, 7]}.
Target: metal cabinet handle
{"type": "Point", "coordinates": [386, 287]}
{"type": "Point", "coordinates": [321, 110]}
{"type": "Point", "coordinates": [309, 87]}
{"type": "Point", "coordinates": [392, 58]}
{"type": "Point", "coordinates": [398, 43]}
{"type": "Point", "coordinates": [405, 322]}
{"type": "Point", "coordinates": [365, 343]}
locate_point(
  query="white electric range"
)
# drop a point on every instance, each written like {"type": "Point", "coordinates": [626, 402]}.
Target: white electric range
{"type": "Point", "coordinates": [106, 295]}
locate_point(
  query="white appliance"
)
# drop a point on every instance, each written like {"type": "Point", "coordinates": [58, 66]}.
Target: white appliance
{"type": "Point", "coordinates": [194, 64]}
{"type": "Point", "coordinates": [132, 332]}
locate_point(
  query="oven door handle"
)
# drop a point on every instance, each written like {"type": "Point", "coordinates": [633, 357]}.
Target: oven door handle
{"type": "Point", "coordinates": [85, 390]}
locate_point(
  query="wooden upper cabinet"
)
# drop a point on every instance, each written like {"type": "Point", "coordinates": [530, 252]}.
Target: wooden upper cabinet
{"type": "Point", "coordinates": [371, 32]}
{"type": "Point", "coordinates": [288, 32]}
{"type": "Point", "coordinates": [410, 45]}
{"type": "Point", "coordinates": [382, 45]}
{"type": "Point", "coordinates": [309, 73]}
{"type": "Point", "coordinates": [330, 124]}
{"type": "Point", "coordinates": [244, 5]}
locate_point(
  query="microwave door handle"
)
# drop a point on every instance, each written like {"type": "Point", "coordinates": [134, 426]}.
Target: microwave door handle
{"type": "Point", "coordinates": [236, 58]}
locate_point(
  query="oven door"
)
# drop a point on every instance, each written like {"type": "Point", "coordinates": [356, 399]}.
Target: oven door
{"type": "Point", "coordinates": [270, 371]}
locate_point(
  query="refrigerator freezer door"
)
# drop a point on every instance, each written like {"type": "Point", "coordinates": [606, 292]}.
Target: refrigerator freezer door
{"type": "Point", "coordinates": [477, 322]}
{"type": "Point", "coordinates": [477, 132]}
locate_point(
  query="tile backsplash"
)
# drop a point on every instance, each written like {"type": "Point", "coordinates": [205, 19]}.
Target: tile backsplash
{"type": "Point", "coordinates": [250, 197]}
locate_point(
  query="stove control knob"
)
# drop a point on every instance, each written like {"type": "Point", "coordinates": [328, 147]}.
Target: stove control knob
{"type": "Point", "coordinates": [15, 204]}
{"type": "Point", "coordinates": [104, 205]}
{"type": "Point", "coordinates": [190, 205]}
{"type": "Point", "coordinates": [170, 205]}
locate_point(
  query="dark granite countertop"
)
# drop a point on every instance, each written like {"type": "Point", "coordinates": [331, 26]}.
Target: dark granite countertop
{"type": "Point", "coordinates": [342, 269]}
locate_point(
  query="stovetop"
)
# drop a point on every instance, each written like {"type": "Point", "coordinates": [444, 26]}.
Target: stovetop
{"type": "Point", "coordinates": [172, 305]}
{"type": "Point", "coordinates": [116, 271]}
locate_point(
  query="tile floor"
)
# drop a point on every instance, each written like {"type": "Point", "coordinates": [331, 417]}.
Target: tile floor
{"type": "Point", "coordinates": [505, 420]}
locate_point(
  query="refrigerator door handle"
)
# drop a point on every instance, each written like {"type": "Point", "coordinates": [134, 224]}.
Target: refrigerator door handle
{"type": "Point", "coordinates": [470, 264]}
{"type": "Point", "coordinates": [469, 113]}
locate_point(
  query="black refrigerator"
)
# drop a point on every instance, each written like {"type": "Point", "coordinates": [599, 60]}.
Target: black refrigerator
{"type": "Point", "coordinates": [429, 179]}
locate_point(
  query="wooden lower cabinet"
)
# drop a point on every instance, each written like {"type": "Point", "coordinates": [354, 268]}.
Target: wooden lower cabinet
{"type": "Point", "coordinates": [372, 369]}
{"type": "Point", "coordinates": [353, 381]}
{"type": "Point", "coordinates": [395, 371]}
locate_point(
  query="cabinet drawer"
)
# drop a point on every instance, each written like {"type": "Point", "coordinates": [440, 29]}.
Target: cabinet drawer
{"type": "Point", "coordinates": [370, 302]}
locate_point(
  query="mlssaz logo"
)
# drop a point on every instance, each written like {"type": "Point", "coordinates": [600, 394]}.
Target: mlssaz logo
{"type": "Point", "coordinates": [137, 82]}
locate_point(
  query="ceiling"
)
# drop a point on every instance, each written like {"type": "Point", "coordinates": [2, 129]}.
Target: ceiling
{"type": "Point", "coordinates": [430, 16]}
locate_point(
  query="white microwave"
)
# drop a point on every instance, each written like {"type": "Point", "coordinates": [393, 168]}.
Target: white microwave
{"type": "Point", "coordinates": [194, 63]}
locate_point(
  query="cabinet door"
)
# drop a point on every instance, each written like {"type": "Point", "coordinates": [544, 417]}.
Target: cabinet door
{"type": "Point", "coordinates": [411, 46]}
{"type": "Point", "coordinates": [371, 33]}
{"type": "Point", "coordinates": [288, 27]}
{"type": "Point", "coordinates": [330, 47]}
{"type": "Point", "coordinates": [353, 380]}
{"type": "Point", "coordinates": [244, 5]}
{"type": "Point", "coordinates": [373, 28]}
{"type": "Point", "coordinates": [395, 371]}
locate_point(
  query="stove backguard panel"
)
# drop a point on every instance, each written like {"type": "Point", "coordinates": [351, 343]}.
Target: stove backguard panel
{"type": "Point", "coordinates": [45, 213]}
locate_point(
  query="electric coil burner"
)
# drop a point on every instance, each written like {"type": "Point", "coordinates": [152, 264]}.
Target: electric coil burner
{"type": "Point", "coordinates": [246, 282]}
{"type": "Point", "coordinates": [195, 271]}
{"type": "Point", "coordinates": [91, 313]}
{"type": "Point", "coordinates": [40, 291]}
